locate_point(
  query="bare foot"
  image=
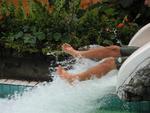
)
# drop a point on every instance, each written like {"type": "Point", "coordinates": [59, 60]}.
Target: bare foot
{"type": "Point", "coordinates": [70, 50]}
{"type": "Point", "coordinates": [64, 74]}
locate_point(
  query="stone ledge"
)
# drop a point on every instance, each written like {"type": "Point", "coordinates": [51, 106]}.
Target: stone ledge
{"type": "Point", "coordinates": [27, 66]}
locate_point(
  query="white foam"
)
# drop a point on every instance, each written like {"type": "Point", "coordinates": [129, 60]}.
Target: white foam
{"type": "Point", "coordinates": [61, 97]}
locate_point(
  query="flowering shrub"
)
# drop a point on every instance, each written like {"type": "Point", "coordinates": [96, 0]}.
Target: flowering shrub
{"type": "Point", "coordinates": [103, 23]}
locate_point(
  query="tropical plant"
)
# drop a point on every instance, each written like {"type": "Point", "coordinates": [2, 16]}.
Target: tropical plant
{"type": "Point", "coordinates": [104, 23]}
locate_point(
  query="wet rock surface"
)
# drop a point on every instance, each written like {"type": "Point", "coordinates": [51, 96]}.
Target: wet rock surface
{"type": "Point", "coordinates": [138, 88]}
{"type": "Point", "coordinates": [30, 67]}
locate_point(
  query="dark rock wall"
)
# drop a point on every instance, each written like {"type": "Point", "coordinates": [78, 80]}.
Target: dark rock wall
{"type": "Point", "coordinates": [138, 89]}
{"type": "Point", "coordinates": [32, 67]}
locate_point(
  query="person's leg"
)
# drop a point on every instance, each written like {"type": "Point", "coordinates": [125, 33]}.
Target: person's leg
{"type": "Point", "coordinates": [99, 70]}
{"type": "Point", "coordinates": [147, 2]}
{"type": "Point", "coordinates": [100, 52]}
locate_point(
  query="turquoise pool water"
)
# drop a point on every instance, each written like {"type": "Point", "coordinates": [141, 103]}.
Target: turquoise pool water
{"type": "Point", "coordinates": [9, 90]}
{"type": "Point", "coordinates": [108, 104]}
{"type": "Point", "coordinates": [112, 104]}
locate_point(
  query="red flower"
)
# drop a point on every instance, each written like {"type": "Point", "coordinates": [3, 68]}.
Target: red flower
{"type": "Point", "coordinates": [120, 25]}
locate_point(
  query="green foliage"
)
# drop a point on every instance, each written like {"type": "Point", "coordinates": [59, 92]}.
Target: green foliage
{"type": "Point", "coordinates": [42, 31]}
{"type": "Point", "coordinates": [4, 8]}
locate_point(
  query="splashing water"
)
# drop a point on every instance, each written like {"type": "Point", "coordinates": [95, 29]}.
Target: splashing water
{"type": "Point", "coordinates": [61, 97]}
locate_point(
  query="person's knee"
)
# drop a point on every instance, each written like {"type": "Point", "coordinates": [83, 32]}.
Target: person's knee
{"type": "Point", "coordinates": [110, 62]}
{"type": "Point", "coordinates": [114, 50]}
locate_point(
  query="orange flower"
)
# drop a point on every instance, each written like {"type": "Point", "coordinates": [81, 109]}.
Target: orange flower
{"type": "Point", "coordinates": [84, 4]}
{"type": "Point", "coordinates": [120, 25]}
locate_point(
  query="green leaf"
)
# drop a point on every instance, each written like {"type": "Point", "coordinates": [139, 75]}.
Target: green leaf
{"type": "Point", "coordinates": [107, 42]}
{"type": "Point", "coordinates": [11, 38]}
{"type": "Point", "coordinates": [110, 11]}
{"type": "Point", "coordinates": [65, 38]}
{"type": "Point", "coordinates": [19, 35]}
{"type": "Point", "coordinates": [39, 35]}
{"type": "Point", "coordinates": [25, 28]}
{"type": "Point", "coordinates": [57, 36]}
{"type": "Point", "coordinates": [29, 39]}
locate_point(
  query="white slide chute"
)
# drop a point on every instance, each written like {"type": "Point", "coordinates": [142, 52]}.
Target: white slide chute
{"type": "Point", "coordinates": [137, 60]}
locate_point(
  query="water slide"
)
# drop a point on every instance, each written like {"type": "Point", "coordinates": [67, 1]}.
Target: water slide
{"type": "Point", "coordinates": [133, 80]}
